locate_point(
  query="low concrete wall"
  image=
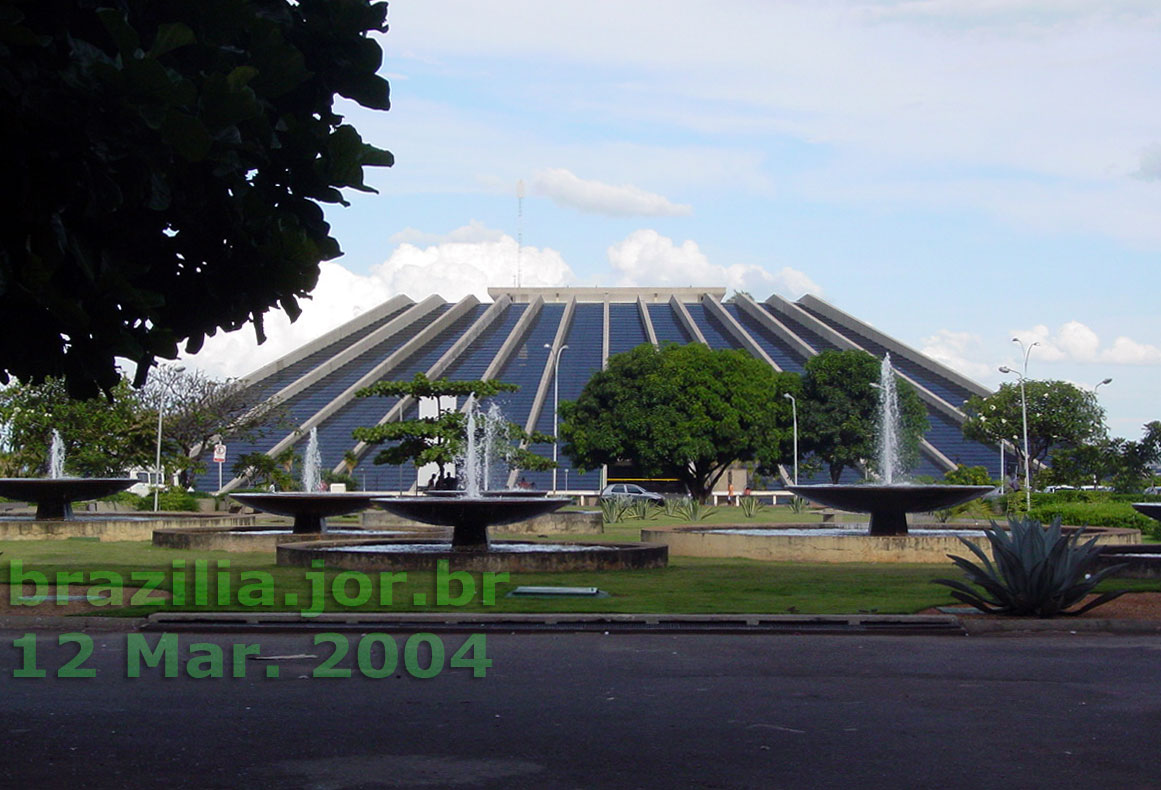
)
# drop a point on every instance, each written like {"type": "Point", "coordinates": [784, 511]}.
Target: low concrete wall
{"type": "Point", "coordinates": [1142, 561]}
{"type": "Point", "coordinates": [614, 557]}
{"type": "Point", "coordinates": [558, 523]}
{"type": "Point", "coordinates": [114, 527]}
{"type": "Point", "coordinates": [707, 542]}
{"type": "Point", "coordinates": [261, 539]}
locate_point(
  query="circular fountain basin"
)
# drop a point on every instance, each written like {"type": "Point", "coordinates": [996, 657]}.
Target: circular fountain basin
{"type": "Point", "coordinates": [889, 504]}
{"type": "Point", "coordinates": [927, 543]}
{"type": "Point", "coordinates": [470, 517]}
{"type": "Point", "coordinates": [500, 556]}
{"type": "Point", "coordinates": [308, 509]}
{"type": "Point", "coordinates": [115, 526]}
{"type": "Point", "coordinates": [1142, 561]}
{"type": "Point", "coordinates": [54, 495]}
{"type": "Point", "coordinates": [1150, 509]}
{"type": "Point", "coordinates": [259, 538]}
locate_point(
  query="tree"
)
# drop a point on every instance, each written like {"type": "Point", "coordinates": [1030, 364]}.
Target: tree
{"type": "Point", "coordinates": [164, 164]}
{"type": "Point", "coordinates": [103, 437]}
{"type": "Point", "coordinates": [680, 411]}
{"type": "Point", "coordinates": [197, 409]}
{"type": "Point", "coordinates": [1059, 415]}
{"type": "Point", "coordinates": [441, 439]}
{"type": "Point", "coordinates": [1123, 463]}
{"type": "Point", "coordinates": [839, 414]}
{"type": "Point", "coordinates": [261, 470]}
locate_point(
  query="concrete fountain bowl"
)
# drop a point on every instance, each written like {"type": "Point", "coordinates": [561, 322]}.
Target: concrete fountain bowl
{"type": "Point", "coordinates": [308, 509]}
{"type": "Point", "coordinates": [470, 517]}
{"type": "Point", "coordinates": [470, 547]}
{"type": "Point", "coordinates": [889, 504]}
{"type": "Point", "coordinates": [54, 496]}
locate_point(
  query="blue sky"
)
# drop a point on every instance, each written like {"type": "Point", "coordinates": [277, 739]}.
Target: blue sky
{"type": "Point", "coordinates": [954, 172]}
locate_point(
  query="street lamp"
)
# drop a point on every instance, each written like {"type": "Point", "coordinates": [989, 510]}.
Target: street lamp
{"type": "Point", "coordinates": [157, 460]}
{"type": "Point", "coordinates": [794, 414]}
{"type": "Point", "coordinates": [1024, 416]}
{"type": "Point", "coordinates": [555, 404]}
{"type": "Point", "coordinates": [1099, 383]}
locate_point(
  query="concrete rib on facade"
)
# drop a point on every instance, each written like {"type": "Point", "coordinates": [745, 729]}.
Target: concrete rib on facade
{"type": "Point", "coordinates": [515, 337]}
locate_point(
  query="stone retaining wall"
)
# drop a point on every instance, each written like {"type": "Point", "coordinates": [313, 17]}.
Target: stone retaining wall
{"type": "Point", "coordinates": [707, 542]}
{"type": "Point", "coordinates": [571, 522]}
{"type": "Point", "coordinates": [114, 526]}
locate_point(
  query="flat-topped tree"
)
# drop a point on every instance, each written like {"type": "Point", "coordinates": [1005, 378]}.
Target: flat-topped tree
{"type": "Point", "coordinates": [165, 166]}
{"type": "Point", "coordinates": [441, 439]}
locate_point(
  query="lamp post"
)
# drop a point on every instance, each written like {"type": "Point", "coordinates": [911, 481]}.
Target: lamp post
{"type": "Point", "coordinates": [157, 460]}
{"type": "Point", "coordinates": [794, 415]}
{"type": "Point", "coordinates": [1024, 416]}
{"type": "Point", "coordinates": [1100, 383]}
{"type": "Point", "coordinates": [555, 404]}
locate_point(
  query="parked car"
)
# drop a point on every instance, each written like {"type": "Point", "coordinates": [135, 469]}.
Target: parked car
{"type": "Point", "coordinates": [630, 491]}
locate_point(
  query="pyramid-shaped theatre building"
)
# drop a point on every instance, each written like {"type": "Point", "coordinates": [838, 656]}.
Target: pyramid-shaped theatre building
{"type": "Point", "coordinates": [506, 339]}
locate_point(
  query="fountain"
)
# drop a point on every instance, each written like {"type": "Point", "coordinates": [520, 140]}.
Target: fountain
{"type": "Point", "coordinates": [1141, 561]}
{"type": "Point", "coordinates": [886, 540]}
{"type": "Point", "coordinates": [310, 507]}
{"type": "Point", "coordinates": [55, 494]}
{"type": "Point", "coordinates": [55, 520]}
{"type": "Point", "coordinates": [470, 512]}
{"type": "Point", "coordinates": [889, 502]}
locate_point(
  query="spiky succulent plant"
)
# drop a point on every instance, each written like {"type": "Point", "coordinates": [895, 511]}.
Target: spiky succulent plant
{"type": "Point", "coordinates": [1038, 571]}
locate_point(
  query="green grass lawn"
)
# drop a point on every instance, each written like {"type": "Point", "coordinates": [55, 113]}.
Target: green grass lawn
{"type": "Point", "coordinates": [688, 585]}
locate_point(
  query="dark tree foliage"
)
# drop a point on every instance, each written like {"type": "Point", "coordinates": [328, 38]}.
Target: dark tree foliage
{"type": "Point", "coordinates": [103, 437]}
{"type": "Point", "coordinates": [838, 415]}
{"type": "Point", "coordinates": [1123, 463]}
{"type": "Point", "coordinates": [681, 411]}
{"type": "Point", "coordinates": [164, 163]}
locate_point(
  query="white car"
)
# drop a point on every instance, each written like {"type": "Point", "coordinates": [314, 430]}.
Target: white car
{"type": "Point", "coordinates": [630, 491]}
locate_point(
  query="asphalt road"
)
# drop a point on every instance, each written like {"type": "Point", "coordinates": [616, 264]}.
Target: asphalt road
{"type": "Point", "coordinates": [586, 711]}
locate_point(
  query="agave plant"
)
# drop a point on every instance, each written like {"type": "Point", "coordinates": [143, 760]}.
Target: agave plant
{"type": "Point", "coordinates": [613, 509]}
{"type": "Point", "coordinates": [642, 509]}
{"type": "Point", "coordinates": [692, 509]}
{"type": "Point", "coordinates": [750, 506]}
{"type": "Point", "coordinates": [1037, 572]}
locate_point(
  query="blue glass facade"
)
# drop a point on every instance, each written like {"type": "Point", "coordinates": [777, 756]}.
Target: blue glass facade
{"type": "Point", "coordinates": [526, 360]}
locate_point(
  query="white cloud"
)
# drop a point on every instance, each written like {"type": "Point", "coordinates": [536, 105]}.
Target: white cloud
{"type": "Point", "coordinates": [1150, 163]}
{"type": "Point", "coordinates": [1125, 351]}
{"type": "Point", "coordinates": [646, 258]}
{"type": "Point", "coordinates": [1076, 342]}
{"type": "Point", "coordinates": [961, 351]}
{"type": "Point", "coordinates": [596, 197]}
{"type": "Point", "coordinates": [474, 231]}
{"type": "Point", "coordinates": [451, 269]}
{"type": "Point", "coordinates": [455, 269]}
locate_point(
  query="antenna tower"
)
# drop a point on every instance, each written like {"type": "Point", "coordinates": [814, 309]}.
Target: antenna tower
{"type": "Point", "coordinates": [519, 227]}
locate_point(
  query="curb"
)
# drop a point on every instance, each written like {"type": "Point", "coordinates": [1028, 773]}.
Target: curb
{"type": "Point", "coordinates": [563, 622]}
{"type": "Point", "coordinates": [853, 624]}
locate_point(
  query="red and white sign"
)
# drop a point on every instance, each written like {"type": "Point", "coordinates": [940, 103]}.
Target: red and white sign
{"type": "Point", "coordinates": [219, 453]}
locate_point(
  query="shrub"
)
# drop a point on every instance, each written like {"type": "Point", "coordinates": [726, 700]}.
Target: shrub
{"type": "Point", "coordinates": [1037, 572]}
{"type": "Point", "coordinates": [169, 499]}
{"type": "Point", "coordinates": [1096, 514]}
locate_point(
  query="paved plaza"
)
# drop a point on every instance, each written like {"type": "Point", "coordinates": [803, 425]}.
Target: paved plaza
{"type": "Point", "coordinates": [587, 710]}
